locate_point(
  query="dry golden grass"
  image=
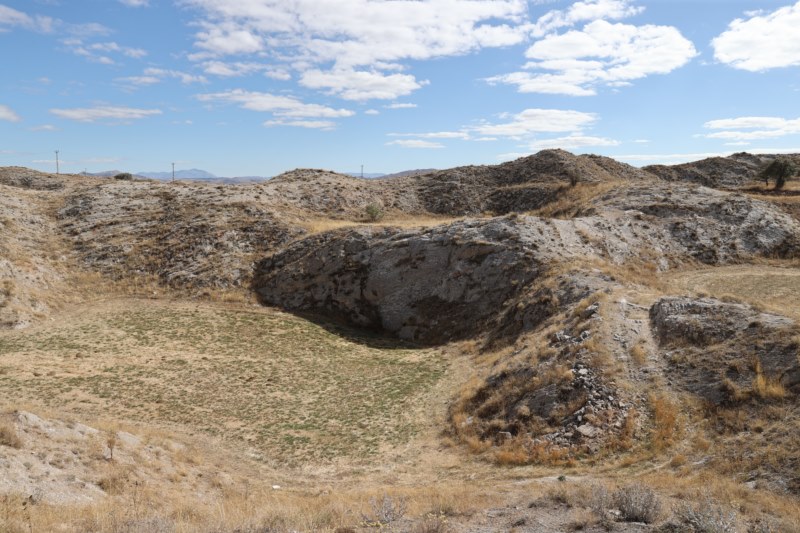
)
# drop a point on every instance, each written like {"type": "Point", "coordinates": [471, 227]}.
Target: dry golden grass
{"type": "Point", "coordinates": [320, 225]}
{"type": "Point", "coordinates": [575, 199]}
{"type": "Point", "coordinates": [8, 435]}
{"type": "Point", "coordinates": [638, 354]}
{"type": "Point", "coordinates": [773, 285]}
{"type": "Point", "coordinates": [768, 387]}
{"type": "Point", "coordinates": [665, 422]}
{"type": "Point", "coordinates": [245, 507]}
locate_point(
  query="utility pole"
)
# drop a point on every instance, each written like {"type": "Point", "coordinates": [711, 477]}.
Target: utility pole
{"type": "Point", "coordinates": [57, 169]}
{"type": "Point", "coordinates": [173, 171]}
{"type": "Point", "coordinates": [362, 171]}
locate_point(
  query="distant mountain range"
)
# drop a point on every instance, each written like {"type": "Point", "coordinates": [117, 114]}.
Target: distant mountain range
{"type": "Point", "coordinates": [196, 174]}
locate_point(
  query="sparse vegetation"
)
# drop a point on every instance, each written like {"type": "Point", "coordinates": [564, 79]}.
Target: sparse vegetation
{"type": "Point", "coordinates": [8, 435]}
{"type": "Point", "coordinates": [637, 503]}
{"type": "Point", "coordinates": [707, 516]}
{"type": "Point", "coordinates": [374, 212]}
{"type": "Point", "coordinates": [124, 176]}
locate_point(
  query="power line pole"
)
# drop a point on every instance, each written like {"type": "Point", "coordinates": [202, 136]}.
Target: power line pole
{"type": "Point", "coordinates": [362, 171]}
{"type": "Point", "coordinates": [173, 171]}
{"type": "Point", "coordinates": [58, 171]}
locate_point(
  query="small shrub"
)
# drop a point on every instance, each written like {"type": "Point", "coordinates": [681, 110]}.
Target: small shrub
{"type": "Point", "coordinates": [124, 176]}
{"type": "Point", "coordinates": [638, 354]}
{"type": "Point", "coordinates": [374, 212]}
{"type": "Point", "coordinates": [8, 436]}
{"type": "Point", "coordinates": [707, 517]}
{"type": "Point", "coordinates": [601, 502]}
{"type": "Point", "coordinates": [638, 503]}
{"type": "Point", "coordinates": [385, 510]}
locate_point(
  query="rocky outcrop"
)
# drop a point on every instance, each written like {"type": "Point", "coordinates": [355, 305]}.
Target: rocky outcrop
{"type": "Point", "coordinates": [429, 286]}
{"type": "Point", "coordinates": [717, 349]}
{"type": "Point", "coordinates": [188, 237]}
{"type": "Point", "coordinates": [731, 172]}
{"type": "Point", "coordinates": [712, 226]}
{"type": "Point", "coordinates": [26, 178]}
{"type": "Point", "coordinates": [460, 279]}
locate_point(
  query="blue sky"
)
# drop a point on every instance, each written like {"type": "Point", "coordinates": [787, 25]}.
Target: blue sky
{"type": "Point", "coordinates": [257, 87]}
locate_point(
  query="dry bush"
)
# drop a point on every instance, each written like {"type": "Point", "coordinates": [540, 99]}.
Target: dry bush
{"type": "Point", "coordinates": [385, 510]}
{"type": "Point", "coordinates": [637, 503]}
{"type": "Point", "coordinates": [115, 479]}
{"type": "Point", "coordinates": [638, 354]}
{"type": "Point", "coordinates": [678, 460]}
{"type": "Point", "coordinates": [582, 519]}
{"type": "Point", "coordinates": [707, 516]}
{"type": "Point", "coordinates": [9, 436]}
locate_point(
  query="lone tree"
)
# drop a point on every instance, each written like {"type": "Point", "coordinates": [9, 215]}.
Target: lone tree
{"type": "Point", "coordinates": [780, 170]}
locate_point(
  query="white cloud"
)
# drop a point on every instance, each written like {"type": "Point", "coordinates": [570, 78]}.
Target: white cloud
{"type": "Point", "coordinates": [228, 39]}
{"type": "Point", "coordinates": [311, 124]}
{"type": "Point", "coordinates": [400, 106]}
{"type": "Point", "coordinates": [135, 3]}
{"type": "Point", "coordinates": [226, 70]}
{"type": "Point", "coordinates": [354, 48]}
{"type": "Point", "coordinates": [140, 81]}
{"type": "Point", "coordinates": [280, 106]}
{"type": "Point", "coordinates": [524, 126]}
{"type": "Point", "coordinates": [573, 141]}
{"type": "Point", "coordinates": [415, 143]}
{"type": "Point", "coordinates": [105, 113]}
{"type": "Point", "coordinates": [752, 128]}
{"type": "Point", "coordinates": [762, 41]}
{"type": "Point", "coordinates": [177, 74]}
{"type": "Point", "coordinates": [534, 120]}
{"type": "Point", "coordinates": [101, 52]}
{"type": "Point", "coordinates": [44, 127]}
{"type": "Point", "coordinates": [361, 85]}
{"type": "Point", "coordinates": [11, 18]}
{"type": "Point", "coordinates": [576, 62]}
{"type": "Point", "coordinates": [582, 12]}
{"type": "Point", "coordinates": [6, 113]}
{"type": "Point", "coordinates": [372, 112]}
{"type": "Point", "coordinates": [434, 135]}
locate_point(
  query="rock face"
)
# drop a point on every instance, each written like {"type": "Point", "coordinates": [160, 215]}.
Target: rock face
{"type": "Point", "coordinates": [714, 346]}
{"type": "Point", "coordinates": [187, 237]}
{"type": "Point", "coordinates": [449, 281]}
{"type": "Point", "coordinates": [711, 226]}
{"type": "Point", "coordinates": [721, 172]}
{"type": "Point", "coordinates": [428, 286]}
{"type": "Point", "coordinates": [26, 178]}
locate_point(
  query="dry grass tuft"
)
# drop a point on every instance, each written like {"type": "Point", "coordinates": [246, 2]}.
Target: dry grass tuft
{"type": "Point", "coordinates": [638, 353]}
{"type": "Point", "coordinates": [665, 422]}
{"type": "Point", "coordinates": [767, 387]}
{"type": "Point", "coordinates": [9, 436]}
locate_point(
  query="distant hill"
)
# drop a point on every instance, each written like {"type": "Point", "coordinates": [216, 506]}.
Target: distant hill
{"type": "Point", "coordinates": [191, 174]}
{"type": "Point", "coordinates": [404, 173]}
{"type": "Point", "coordinates": [368, 175]}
